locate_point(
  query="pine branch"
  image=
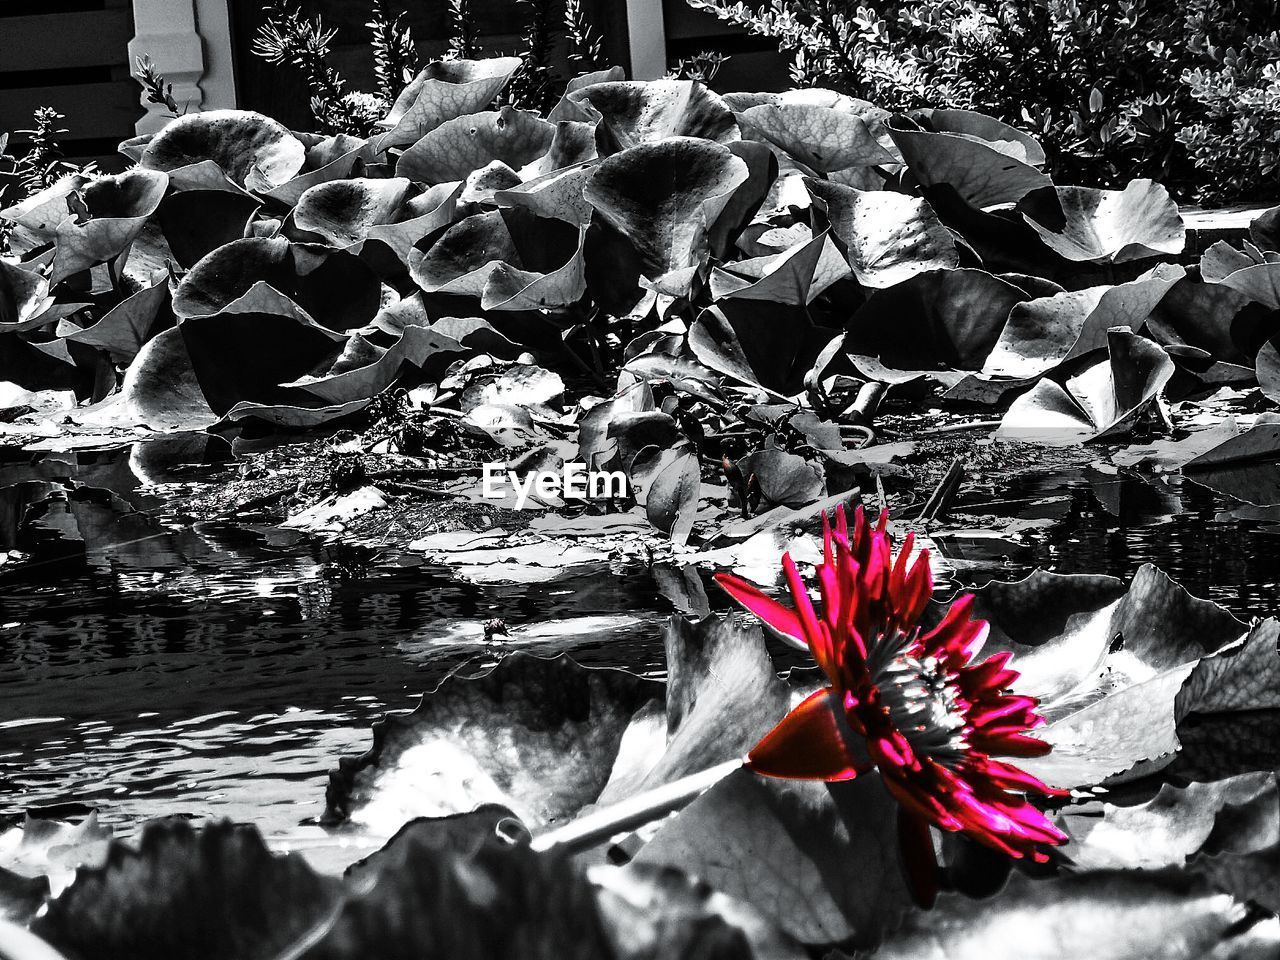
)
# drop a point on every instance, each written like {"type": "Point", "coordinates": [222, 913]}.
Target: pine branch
{"type": "Point", "coordinates": [395, 58]}
{"type": "Point", "coordinates": [464, 43]}
{"type": "Point", "coordinates": [585, 46]}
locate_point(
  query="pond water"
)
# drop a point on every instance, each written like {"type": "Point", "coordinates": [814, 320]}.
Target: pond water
{"type": "Point", "coordinates": [149, 666]}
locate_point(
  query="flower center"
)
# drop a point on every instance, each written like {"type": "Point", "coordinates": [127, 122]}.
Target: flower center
{"type": "Point", "coordinates": [922, 699]}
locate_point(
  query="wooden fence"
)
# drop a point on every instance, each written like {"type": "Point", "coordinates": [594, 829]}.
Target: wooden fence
{"type": "Point", "coordinates": [71, 55]}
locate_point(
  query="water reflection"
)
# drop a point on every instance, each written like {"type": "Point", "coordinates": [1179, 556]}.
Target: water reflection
{"type": "Point", "coordinates": [152, 665]}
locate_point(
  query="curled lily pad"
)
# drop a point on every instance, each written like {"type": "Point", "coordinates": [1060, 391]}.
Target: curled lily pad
{"type": "Point", "coordinates": [342, 213]}
{"type": "Point", "coordinates": [981, 173]}
{"type": "Point", "coordinates": [35, 220]}
{"type": "Point", "coordinates": [335, 287]}
{"type": "Point", "coordinates": [942, 320]}
{"type": "Point", "coordinates": [24, 296]}
{"type": "Point", "coordinates": [970, 123]}
{"type": "Point", "coordinates": [332, 159]}
{"type": "Point", "coordinates": [426, 213]}
{"type": "Point", "coordinates": [793, 277]}
{"type": "Point", "coordinates": [241, 142]}
{"type": "Point", "coordinates": [758, 342]}
{"type": "Point", "coordinates": [887, 237]}
{"type": "Point", "coordinates": [634, 112]}
{"type": "Point", "coordinates": [160, 388]}
{"type": "Point", "coordinates": [285, 345]}
{"type": "Point", "coordinates": [824, 139]}
{"type": "Point", "coordinates": [662, 197]}
{"type": "Point", "coordinates": [784, 478]}
{"type": "Point", "coordinates": [458, 146]}
{"type": "Point", "coordinates": [114, 212]}
{"type": "Point", "coordinates": [124, 329]}
{"type": "Point", "coordinates": [1085, 223]}
{"type": "Point", "coordinates": [1106, 662]}
{"type": "Point", "coordinates": [557, 195]}
{"type": "Point", "coordinates": [445, 89]}
{"type": "Point", "coordinates": [1104, 400]}
{"type": "Point", "coordinates": [1044, 332]}
{"type": "Point", "coordinates": [504, 256]}
{"type": "Point", "coordinates": [417, 346]}
{"type": "Point", "coordinates": [1260, 283]}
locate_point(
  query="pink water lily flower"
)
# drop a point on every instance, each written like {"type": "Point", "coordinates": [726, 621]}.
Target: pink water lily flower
{"type": "Point", "coordinates": [917, 707]}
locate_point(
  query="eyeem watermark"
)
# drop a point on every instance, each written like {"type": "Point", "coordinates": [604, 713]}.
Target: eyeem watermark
{"type": "Point", "coordinates": [573, 482]}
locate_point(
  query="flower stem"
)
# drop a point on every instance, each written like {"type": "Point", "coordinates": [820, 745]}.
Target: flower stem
{"type": "Point", "coordinates": [599, 825]}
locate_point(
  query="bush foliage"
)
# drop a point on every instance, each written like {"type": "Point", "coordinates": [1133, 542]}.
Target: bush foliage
{"type": "Point", "coordinates": [1185, 93]}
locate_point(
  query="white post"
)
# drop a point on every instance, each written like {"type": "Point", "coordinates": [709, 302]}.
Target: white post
{"type": "Point", "coordinates": [190, 43]}
{"type": "Point", "coordinates": [648, 39]}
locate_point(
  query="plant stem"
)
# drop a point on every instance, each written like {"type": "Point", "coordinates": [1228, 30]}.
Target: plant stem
{"type": "Point", "coordinates": [600, 825]}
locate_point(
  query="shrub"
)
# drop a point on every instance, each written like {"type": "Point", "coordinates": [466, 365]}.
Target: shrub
{"type": "Point", "coordinates": [1179, 92]}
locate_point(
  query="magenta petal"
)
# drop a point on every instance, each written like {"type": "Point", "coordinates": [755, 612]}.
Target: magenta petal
{"type": "Point", "coordinates": [807, 744]}
{"type": "Point", "coordinates": [782, 619]}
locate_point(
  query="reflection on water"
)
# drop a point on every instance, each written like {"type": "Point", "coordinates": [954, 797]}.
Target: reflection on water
{"type": "Point", "coordinates": [149, 665]}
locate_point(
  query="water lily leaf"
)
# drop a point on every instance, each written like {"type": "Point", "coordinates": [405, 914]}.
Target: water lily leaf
{"type": "Point", "coordinates": [671, 500]}
{"type": "Point", "coordinates": [510, 288]}
{"type": "Point", "coordinates": [758, 343]}
{"type": "Point", "coordinates": [1268, 370]}
{"type": "Point", "coordinates": [1174, 825]}
{"type": "Point", "coordinates": [634, 112]}
{"type": "Point", "coordinates": [499, 737]}
{"type": "Point", "coordinates": [1085, 223]}
{"type": "Point", "coordinates": [1106, 663]}
{"type": "Point", "coordinates": [1221, 260]}
{"type": "Point", "coordinates": [342, 213]}
{"type": "Point", "coordinates": [784, 478]}
{"type": "Point", "coordinates": [794, 277]}
{"type": "Point", "coordinates": [887, 237]}
{"type": "Point", "coordinates": [574, 143]}
{"type": "Point", "coordinates": [117, 209]}
{"type": "Point", "coordinates": [287, 345]}
{"type": "Point", "coordinates": [445, 89]}
{"type": "Point", "coordinates": [24, 297]}
{"type": "Point", "coordinates": [1213, 317]}
{"type": "Point", "coordinates": [567, 109]}
{"type": "Point", "coordinates": [458, 146]}
{"type": "Point", "coordinates": [417, 347]}
{"type": "Point", "coordinates": [196, 222]}
{"type": "Point", "coordinates": [979, 172]}
{"type": "Point", "coordinates": [556, 195]}
{"type": "Point", "coordinates": [824, 139]}
{"type": "Point", "coordinates": [428, 212]}
{"type": "Point", "coordinates": [331, 159]}
{"type": "Point", "coordinates": [206, 892]}
{"type": "Point", "coordinates": [520, 384]}
{"type": "Point", "coordinates": [970, 123]}
{"type": "Point", "coordinates": [1104, 400]}
{"type": "Point", "coordinates": [836, 845]}
{"type": "Point", "coordinates": [500, 256]}
{"type": "Point", "coordinates": [662, 197]}
{"type": "Point", "coordinates": [161, 389]}
{"type": "Point", "coordinates": [1044, 332]}
{"type": "Point", "coordinates": [1103, 915]}
{"type": "Point", "coordinates": [292, 415]}
{"type": "Point", "coordinates": [35, 220]}
{"type": "Point", "coordinates": [1260, 284]}
{"type": "Point", "coordinates": [336, 288]}
{"type": "Point", "coordinates": [239, 141]}
{"type": "Point", "coordinates": [940, 320]}
{"type": "Point", "coordinates": [124, 329]}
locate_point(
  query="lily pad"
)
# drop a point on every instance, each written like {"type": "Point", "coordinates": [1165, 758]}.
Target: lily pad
{"type": "Point", "coordinates": [887, 237]}
{"type": "Point", "coordinates": [980, 173]}
{"type": "Point", "coordinates": [1104, 400]}
{"type": "Point", "coordinates": [1085, 223]}
{"type": "Point", "coordinates": [115, 210]}
{"type": "Point", "coordinates": [824, 139]}
{"type": "Point", "coordinates": [634, 112]}
{"type": "Point", "coordinates": [342, 213]}
{"type": "Point", "coordinates": [758, 342]}
{"type": "Point", "coordinates": [445, 89]}
{"type": "Point", "coordinates": [239, 141]}
{"type": "Point", "coordinates": [458, 146]}
{"type": "Point", "coordinates": [662, 197]}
